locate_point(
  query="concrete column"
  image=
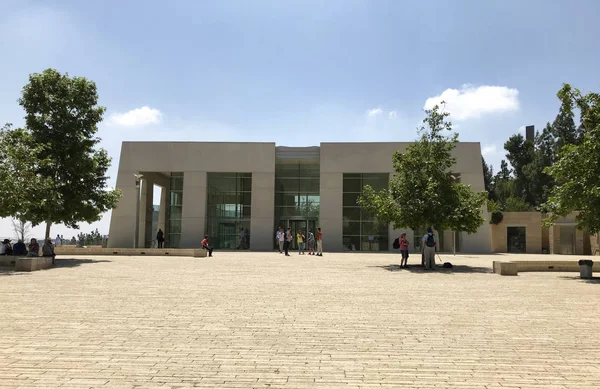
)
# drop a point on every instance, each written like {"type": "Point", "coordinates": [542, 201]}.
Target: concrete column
{"type": "Point", "coordinates": [142, 212]}
{"type": "Point", "coordinates": [122, 221]}
{"type": "Point", "coordinates": [262, 216]}
{"type": "Point", "coordinates": [330, 214]}
{"type": "Point", "coordinates": [162, 214]}
{"type": "Point", "coordinates": [146, 212]}
{"type": "Point", "coordinates": [193, 223]}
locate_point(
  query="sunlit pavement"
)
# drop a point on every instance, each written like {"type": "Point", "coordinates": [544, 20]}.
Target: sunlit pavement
{"type": "Point", "coordinates": [244, 320]}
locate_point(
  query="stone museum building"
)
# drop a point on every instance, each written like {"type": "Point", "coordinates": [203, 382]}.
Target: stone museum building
{"type": "Point", "coordinates": [220, 189]}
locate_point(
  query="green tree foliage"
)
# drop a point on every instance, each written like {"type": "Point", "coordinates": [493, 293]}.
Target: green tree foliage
{"type": "Point", "coordinates": [62, 115]}
{"type": "Point", "coordinates": [22, 187]}
{"type": "Point", "coordinates": [520, 154]}
{"type": "Point", "coordinates": [576, 172]}
{"type": "Point", "coordinates": [563, 128]}
{"type": "Point", "coordinates": [423, 191]}
{"type": "Point", "coordinates": [488, 178]}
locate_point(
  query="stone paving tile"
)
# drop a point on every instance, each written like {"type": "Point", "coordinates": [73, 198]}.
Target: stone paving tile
{"type": "Point", "coordinates": [260, 320]}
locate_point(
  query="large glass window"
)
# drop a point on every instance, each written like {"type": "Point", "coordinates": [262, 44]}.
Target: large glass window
{"type": "Point", "coordinates": [228, 209]}
{"type": "Point", "coordinates": [296, 192]}
{"type": "Point", "coordinates": [175, 209]}
{"type": "Point", "coordinates": [361, 231]}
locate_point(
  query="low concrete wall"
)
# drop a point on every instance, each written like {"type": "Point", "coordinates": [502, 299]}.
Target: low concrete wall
{"type": "Point", "coordinates": [561, 266]}
{"type": "Point", "coordinates": [7, 260]}
{"type": "Point", "coordinates": [127, 251]}
{"type": "Point", "coordinates": [33, 263]}
{"type": "Point", "coordinates": [539, 266]}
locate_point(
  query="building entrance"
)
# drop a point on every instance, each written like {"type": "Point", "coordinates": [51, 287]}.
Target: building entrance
{"type": "Point", "coordinates": [298, 225]}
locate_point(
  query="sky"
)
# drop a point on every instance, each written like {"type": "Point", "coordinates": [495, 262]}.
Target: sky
{"type": "Point", "coordinates": [301, 72]}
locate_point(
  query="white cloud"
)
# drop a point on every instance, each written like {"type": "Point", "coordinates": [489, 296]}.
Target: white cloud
{"type": "Point", "coordinates": [136, 117]}
{"type": "Point", "coordinates": [473, 102]}
{"type": "Point", "coordinates": [522, 130]}
{"type": "Point", "coordinates": [374, 112]}
{"type": "Point", "coordinates": [393, 115]}
{"type": "Point", "coordinates": [489, 150]}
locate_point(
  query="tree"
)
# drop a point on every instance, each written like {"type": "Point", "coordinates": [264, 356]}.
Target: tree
{"type": "Point", "coordinates": [423, 191]}
{"type": "Point", "coordinates": [62, 115]}
{"type": "Point", "coordinates": [488, 179]}
{"type": "Point", "coordinates": [576, 171]}
{"type": "Point", "coordinates": [21, 229]}
{"type": "Point", "coordinates": [539, 183]}
{"type": "Point", "coordinates": [563, 128]}
{"type": "Point", "coordinates": [22, 187]}
{"type": "Point", "coordinates": [520, 153]}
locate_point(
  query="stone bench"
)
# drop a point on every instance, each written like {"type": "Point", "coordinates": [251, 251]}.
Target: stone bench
{"type": "Point", "coordinates": [33, 263]}
{"type": "Point", "coordinates": [200, 253]}
{"type": "Point", "coordinates": [502, 268]}
{"type": "Point", "coordinates": [8, 260]}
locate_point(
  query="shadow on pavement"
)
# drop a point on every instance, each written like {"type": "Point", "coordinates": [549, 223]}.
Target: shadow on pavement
{"type": "Point", "coordinates": [593, 280]}
{"type": "Point", "coordinates": [60, 263]}
{"type": "Point", "coordinates": [9, 271]}
{"type": "Point", "coordinates": [66, 262]}
{"type": "Point", "coordinates": [438, 269]}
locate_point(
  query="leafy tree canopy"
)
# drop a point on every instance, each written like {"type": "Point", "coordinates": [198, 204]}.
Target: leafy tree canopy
{"type": "Point", "coordinates": [423, 191]}
{"type": "Point", "coordinates": [577, 170]}
{"type": "Point", "coordinates": [66, 180]}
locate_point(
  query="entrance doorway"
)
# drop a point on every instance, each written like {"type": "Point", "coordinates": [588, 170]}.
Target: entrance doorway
{"type": "Point", "coordinates": [298, 225]}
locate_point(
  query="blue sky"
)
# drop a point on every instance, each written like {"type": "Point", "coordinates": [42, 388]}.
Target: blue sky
{"type": "Point", "coordinates": [300, 72]}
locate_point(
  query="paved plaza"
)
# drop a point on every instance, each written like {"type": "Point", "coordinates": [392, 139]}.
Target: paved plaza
{"type": "Point", "coordinates": [262, 320]}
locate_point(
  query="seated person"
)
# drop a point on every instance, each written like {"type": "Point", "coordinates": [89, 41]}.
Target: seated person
{"type": "Point", "coordinates": [34, 248]}
{"type": "Point", "coordinates": [206, 246]}
{"type": "Point", "coordinates": [48, 250]}
{"type": "Point", "coordinates": [19, 248]}
{"type": "Point", "coordinates": [6, 248]}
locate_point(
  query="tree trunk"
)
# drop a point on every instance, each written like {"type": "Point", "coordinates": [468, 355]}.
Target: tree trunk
{"type": "Point", "coordinates": [48, 224]}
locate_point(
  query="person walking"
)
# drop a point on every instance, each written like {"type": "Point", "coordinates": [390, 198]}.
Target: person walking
{"type": "Point", "coordinates": [319, 242]}
{"type": "Point", "coordinates": [242, 243]}
{"type": "Point", "coordinates": [300, 238]}
{"type": "Point", "coordinates": [288, 241]}
{"type": "Point", "coordinates": [160, 238]}
{"type": "Point", "coordinates": [403, 250]}
{"type": "Point", "coordinates": [428, 249]}
{"type": "Point", "coordinates": [280, 239]}
{"type": "Point", "coordinates": [311, 243]}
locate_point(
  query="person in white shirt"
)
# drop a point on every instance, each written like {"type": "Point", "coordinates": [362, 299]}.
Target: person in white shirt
{"type": "Point", "coordinates": [57, 241]}
{"type": "Point", "coordinates": [280, 239]}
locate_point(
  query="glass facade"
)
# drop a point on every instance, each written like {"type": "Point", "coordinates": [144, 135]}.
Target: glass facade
{"type": "Point", "coordinates": [297, 191]}
{"type": "Point", "coordinates": [228, 209]}
{"type": "Point", "coordinates": [297, 197]}
{"type": "Point", "coordinates": [361, 231]}
{"type": "Point", "coordinates": [175, 210]}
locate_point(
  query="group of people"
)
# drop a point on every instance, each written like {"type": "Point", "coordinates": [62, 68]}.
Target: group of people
{"type": "Point", "coordinates": [428, 244]}
{"type": "Point", "coordinates": [284, 240]}
{"type": "Point", "coordinates": [32, 250]}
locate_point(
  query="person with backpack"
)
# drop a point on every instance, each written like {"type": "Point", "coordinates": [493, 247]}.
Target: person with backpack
{"type": "Point", "coordinates": [428, 249]}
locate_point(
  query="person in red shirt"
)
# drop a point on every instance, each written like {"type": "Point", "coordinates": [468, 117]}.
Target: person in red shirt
{"type": "Point", "coordinates": [206, 246]}
{"type": "Point", "coordinates": [319, 242]}
{"type": "Point", "coordinates": [404, 250]}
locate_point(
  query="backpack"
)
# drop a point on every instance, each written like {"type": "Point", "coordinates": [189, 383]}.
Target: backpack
{"type": "Point", "coordinates": [396, 244]}
{"type": "Point", "coordinates": [430, 242]}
